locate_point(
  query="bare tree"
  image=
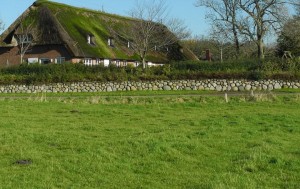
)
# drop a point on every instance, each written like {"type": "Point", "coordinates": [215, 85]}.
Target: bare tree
{"type": "Point", "coordinates": [150, 30]}
{"type": "Point", "coordinates": [25, 35]}
{"type": "Point", "coordinates": [1, 25]}
{"type": "Point", "coordinates": [224, 19]}
{"type": "Point", "coordinates": [220, 36]}
{"type": "Point", "coordinates": [261, 17]}
{"type": "Point", "coordinates": [178, 27]}
{"type": "Point", "coordinates": [24, 40]}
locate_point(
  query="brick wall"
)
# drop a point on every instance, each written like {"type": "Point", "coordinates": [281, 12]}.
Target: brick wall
{"type": "Point", "coordinates": [11, 56]}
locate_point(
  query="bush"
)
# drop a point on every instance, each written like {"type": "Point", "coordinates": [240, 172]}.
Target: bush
{"type": "Point", "coordinates": [235, 69]}
{"type": "Point", "coordinates": [233, 65]}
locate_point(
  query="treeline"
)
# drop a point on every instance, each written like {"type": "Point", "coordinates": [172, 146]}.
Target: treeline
{"type": "Point", "coordinates": [286, 45]}
{"type": "Point", "coordinates": [223, 52]}
{"type": "Point", "coordinates": [238, 69]}
{"type": "Point", "coordinates": [241, 28]}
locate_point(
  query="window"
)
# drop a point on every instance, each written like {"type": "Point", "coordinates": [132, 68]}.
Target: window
{"type": "Point", "coordinates": [114, 62]}
{"type": "Point", "coordinates": [45, 61]}
{"type": "Point", "coordinates": [88, 61]}
{"type": "Point", "coordinates": [118, 63]}
{"type": "Point", "coordinates": [99, 61]}
{"type": "Point", "coordinates": [94, 62]}
{"type": "Point", "coordinates": [110, 42]}
{"type": "Point", "coordinates": [106, 62]}
{"type": "Point", "coordinates": [91, 39]}
{"type": "Point", "coordinates": [33, 60]}
{"type": "Point", "coordinates": [60, 60]}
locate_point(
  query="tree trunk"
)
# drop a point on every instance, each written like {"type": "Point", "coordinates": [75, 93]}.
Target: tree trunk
{"type": "Point", "coordinates": [21, 58]}
{"type": "Point", "coordinates": [221, 54]}
{"type": "Point", "coordinates": [143, 57]}
{"type": "Point", "coordinates": [144, 63]}
{"type": "Point", "coordinates": [260, 48]}
{"type": "Point", "coordinates": [236, 39]}
{"type": "Point", "coordinates": [237, 45]}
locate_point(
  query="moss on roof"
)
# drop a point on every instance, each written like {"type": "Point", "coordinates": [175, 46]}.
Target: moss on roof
{"type": "Point", "coordinates": [75, 24]}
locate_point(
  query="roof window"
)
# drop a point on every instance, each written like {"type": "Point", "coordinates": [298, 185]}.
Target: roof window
{"type": "Point", "coordinates": [91, 39]}
{"type": "Point", "coordinates": [110, 41]}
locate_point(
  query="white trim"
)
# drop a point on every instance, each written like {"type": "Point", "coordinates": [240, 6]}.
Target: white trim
{"type": "Point", "coordinates": [88, 61]}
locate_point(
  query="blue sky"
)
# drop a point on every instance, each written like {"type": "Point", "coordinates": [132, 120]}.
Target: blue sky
{"type": "Point", "coordinates": [193, 17]}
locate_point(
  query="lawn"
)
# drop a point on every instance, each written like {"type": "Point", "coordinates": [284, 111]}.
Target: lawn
{"type": "Point", "coordinates": [150, 142]}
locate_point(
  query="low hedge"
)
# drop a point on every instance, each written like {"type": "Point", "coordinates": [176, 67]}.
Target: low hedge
{"type": "Point", "coordinates": [241, 69]}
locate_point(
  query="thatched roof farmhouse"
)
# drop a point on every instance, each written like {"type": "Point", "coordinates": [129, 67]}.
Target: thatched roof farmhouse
{"type": "Point", "coordinates": [60, 32]}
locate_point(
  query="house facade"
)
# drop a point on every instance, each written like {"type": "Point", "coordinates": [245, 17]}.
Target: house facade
{"type": "Point", "coordinates": [49, 32]}
{"type": "Point", "coordinates": [57, 54]}
{"type": "Point", "coordinates": [42, 54]}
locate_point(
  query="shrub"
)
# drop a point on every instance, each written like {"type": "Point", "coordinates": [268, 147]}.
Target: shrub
{"type": "Point", "coordinates": [232, 65]}
{"type": "Point", "coordinates": [233, 69]}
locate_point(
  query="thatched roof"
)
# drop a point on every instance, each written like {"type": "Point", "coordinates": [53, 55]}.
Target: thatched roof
{"type": "Point", "coordinates": [55, 23]}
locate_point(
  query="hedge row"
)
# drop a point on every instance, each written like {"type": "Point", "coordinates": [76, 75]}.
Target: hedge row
{"type": "Point", "coordinates": [243, 69]}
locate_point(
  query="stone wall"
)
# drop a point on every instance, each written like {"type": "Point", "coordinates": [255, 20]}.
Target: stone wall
{"type": "Point", "coordinates": [210, 84]}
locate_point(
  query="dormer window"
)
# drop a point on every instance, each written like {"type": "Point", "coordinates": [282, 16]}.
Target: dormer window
{"type": "Point", "coordinates": [91, 39]}
{"type": "Point", "coordinates": [110, 42]}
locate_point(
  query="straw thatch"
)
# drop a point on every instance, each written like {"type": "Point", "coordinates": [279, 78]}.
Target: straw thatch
{"type": "Point", "coordinates": [59, 24]}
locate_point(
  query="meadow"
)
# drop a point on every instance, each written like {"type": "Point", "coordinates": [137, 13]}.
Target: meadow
{"type": "Point", "coordinates": [171, 141]}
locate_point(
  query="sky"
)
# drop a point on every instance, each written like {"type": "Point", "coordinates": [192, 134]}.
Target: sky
{"type": "Point", "coordinates": [193, 17]}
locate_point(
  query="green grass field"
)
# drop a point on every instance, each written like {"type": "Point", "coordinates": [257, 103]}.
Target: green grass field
{"type": "Point", "coordinates": [150, 142]}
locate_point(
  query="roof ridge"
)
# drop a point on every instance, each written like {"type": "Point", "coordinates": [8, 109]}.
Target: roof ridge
{"type": "Point", "coordinates": [44, 2]}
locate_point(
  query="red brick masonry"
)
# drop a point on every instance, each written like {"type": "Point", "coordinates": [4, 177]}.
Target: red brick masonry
{"type": "Point", "coordinates": [11, 56]}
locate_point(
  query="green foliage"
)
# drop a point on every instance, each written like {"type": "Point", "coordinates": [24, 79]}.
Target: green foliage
{"type": "Point", "coordinates": [289, 39]}
{"type": "Point", "coordinates": [199, 45]}
{"type": "Point", "coordinates": [279, 65]}
{"type": "Point", "coordinates": [150, 142]}
{"type": "Point", "coordinates": [272, 68]}
{"type": "Point", "coordinates": [53, 73]}
{"type": "Point", "coordinates": [233, 65]}
{"type": "Point", "coordinates": [236, 69]}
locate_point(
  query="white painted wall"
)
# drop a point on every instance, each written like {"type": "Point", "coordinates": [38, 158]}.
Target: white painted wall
{"type": "Point", "coordinates": [106, 62]}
